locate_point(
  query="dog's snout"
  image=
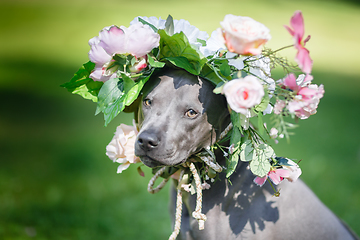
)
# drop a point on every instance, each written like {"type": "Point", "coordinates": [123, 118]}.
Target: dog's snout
{"type": "Point", "coordinates": [148, 141]}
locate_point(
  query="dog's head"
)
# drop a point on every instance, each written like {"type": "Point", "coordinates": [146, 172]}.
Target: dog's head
{"type": "Point", "coordinates": [179, 115]}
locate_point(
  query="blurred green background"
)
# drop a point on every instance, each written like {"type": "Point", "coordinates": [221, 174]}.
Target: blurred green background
{"type": "Point", "coordinates": [55, 180]}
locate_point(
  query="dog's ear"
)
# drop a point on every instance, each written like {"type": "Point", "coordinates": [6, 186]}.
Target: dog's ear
{"type": "Point", "coordinates": [215, 106]}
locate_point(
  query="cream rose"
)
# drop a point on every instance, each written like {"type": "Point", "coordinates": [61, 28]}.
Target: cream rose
{"type": "Point", "coordinates": [295, 171]}
{"type": "Point", "coordinates": [243, 94]}
{"type": "Point", "coordinates": [121, 149]}
{"type": "Point", "coordinates": [244, 35]}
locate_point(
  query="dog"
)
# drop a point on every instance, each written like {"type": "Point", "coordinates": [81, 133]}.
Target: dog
{"type": "Point", "coordinates": [178, 117]}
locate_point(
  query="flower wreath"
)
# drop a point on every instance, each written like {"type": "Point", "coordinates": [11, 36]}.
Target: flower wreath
{"type": "Point", "coordinates": [123, 59]}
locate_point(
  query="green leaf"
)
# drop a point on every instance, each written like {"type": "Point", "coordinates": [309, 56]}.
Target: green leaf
{"type": "Point", "coordinates": [225, 69]}
{"type": "Point", "coordinates": [112, 90]}
{"type": "Point", "coordinates": [112, 97]}
{"type": "Point", "coordinates": [260, 166]}
{"type": "Point", "coordinates": [134, 92]}
{"type": "Point", "coordinates": [203, 42]}
{"type": "Point", "coordinates": [235, 137]}
{"type": "Point", "coordinates": [263, 104]}
{"type": "Point", "coordinates": [232, 163]}
{"type": "Point", "coordinates": [182, 62]}
{"type": "Point", "coordinates": [149, 24]}
{"type": "Point", "coordinates": [266, 151]}
{"type": "Point", "coordinates": [208, 73]}
{"type": "Point", "coordinates": [82, 84]}
{"type": "Point", "coordinates": [154, 63]}
{"type": "Point", "coordinates": [169, 25]}
{"type": "Point", "coordinates": [178, 46]}
{"type": "Point", "coordinates": [246, 151]}
{"type": "Point", "coordinates": [235, 119]}
{"type": "Point", "coordinates": [219, 87]}
{"type": "Point", "coordinates": [260, 123]}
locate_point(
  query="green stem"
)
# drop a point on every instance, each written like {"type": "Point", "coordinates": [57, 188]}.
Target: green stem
{"type": "Point", "coordinates": [276, 192]}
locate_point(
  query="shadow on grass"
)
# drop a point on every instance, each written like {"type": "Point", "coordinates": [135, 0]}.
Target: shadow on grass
{"type": "Point", "coordinates": [57, 183]}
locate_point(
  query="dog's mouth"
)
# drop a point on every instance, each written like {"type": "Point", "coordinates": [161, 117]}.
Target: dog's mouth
{"type": "Point", "coordinates": [153, 163]}
{"type": "Point", "coordinates": [150, 162]}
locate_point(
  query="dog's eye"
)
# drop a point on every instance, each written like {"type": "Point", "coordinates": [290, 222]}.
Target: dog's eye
{"type": "Point", "coordinates": [191, 113]}
{"type": "Point", "coordinates": [147, 102]}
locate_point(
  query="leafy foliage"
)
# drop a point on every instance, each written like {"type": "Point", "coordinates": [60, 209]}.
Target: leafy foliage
{"type": "Point", "coordinates": [177, 50]}
{"type": "Point", "coordinates": [82, 84]}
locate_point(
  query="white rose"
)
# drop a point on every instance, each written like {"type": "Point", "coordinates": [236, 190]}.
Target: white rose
{"type": "Point", "coordinates": [243, 94]}
{"type": "Point", "coordinates": [295, 171]}
{"type": "Point", "coordinates": [121, 149]}
{"type": "Point", "coordinates": [243, 35]}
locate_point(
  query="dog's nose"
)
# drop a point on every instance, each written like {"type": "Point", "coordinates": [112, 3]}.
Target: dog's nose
{"type": "Point", "coordinates": [148, 141]}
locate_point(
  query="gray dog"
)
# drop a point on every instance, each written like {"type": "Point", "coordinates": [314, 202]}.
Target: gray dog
{"type": "Point", "coordinates": [179, 116]}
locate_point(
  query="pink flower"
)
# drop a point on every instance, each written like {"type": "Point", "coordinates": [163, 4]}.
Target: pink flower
{"type": "Point", "coordinates": [121, 149]}
{"type": "Point", "coordinates": [290, 171]}
{"type": "Point", "coordinates": [243, 35]}
{"type": "Point", "coordinates": [243, 94]}
{"type": "Point", "coordinates": [137, 40]}
{"type": "Point", "coordinates": [276, 175]}
{"type": "Point", "coordinates": [297, 31]}
{"type": "Point", "coordinates": [139, 65]}
{"type": "Point", "coordinates": [307, 96]}
{"type": "Point", "coordinates": [279, 106]}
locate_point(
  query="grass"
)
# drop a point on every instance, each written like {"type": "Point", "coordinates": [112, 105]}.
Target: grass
{"type": "Point", "coordinates": [55, 180]}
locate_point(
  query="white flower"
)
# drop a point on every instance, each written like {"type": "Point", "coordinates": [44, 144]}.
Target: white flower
{"type": "Point", "coordinates": [158, 23]}
{"type": "Point", "coordinates": [214, 44]}
{"type": "Point", "coordinates": [274, 134]}
{"type": "Point", "coordinates": [191, 32]}
{"type": "Point", "coordinates": [121, 149]}
{"type": "Point", "coordinates": [295, 171]}
{"type": "Point", "coordinates": [243, 35]}
{"type": "Point", "coordinates": [243, 94]}
{"type": "Point", "coordinates": [260, 67]}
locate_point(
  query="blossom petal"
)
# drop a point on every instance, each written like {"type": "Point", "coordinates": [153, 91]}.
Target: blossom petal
{"type": "Point", "coordinates": [123, 167]}
{"type": "Point", "coordinates": [141, 39]}
{"type": "Point", "coordinates": [290, 82]}
{"type": "Point", "coordinates": [238, 63]}
{"type": "Point", "coordinates": [304, 60]}
{"type": "Point", "coordinates": [97, 54]}
{"type": "Point", "coordinates": [215, 43]}
{"type": "Point", "coordinates": [97, 74]}
{"type": "Point", "coordinates": [112, 40]}
{"type": "Point", "coordinates": [297, 23]}
{"type": "Point", "coordinates": [260, 180]}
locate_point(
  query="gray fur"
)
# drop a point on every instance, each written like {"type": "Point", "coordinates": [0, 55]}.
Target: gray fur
{"type": "Point", "coordinates": [238, 211]}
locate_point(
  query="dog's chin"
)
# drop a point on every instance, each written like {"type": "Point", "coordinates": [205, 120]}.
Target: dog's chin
{"type": "Point", "coordinates": [153, 163]}
{"type": "Point", "coordinates": [150, 162]}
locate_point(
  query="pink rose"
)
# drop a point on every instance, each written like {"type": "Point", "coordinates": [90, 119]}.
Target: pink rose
{"type": "Point", "coordinates": [121, 149]}
{"type": "Point", "coordinates": [243, 35]}
{"type": "Point", "coordinates": [243, 94]}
